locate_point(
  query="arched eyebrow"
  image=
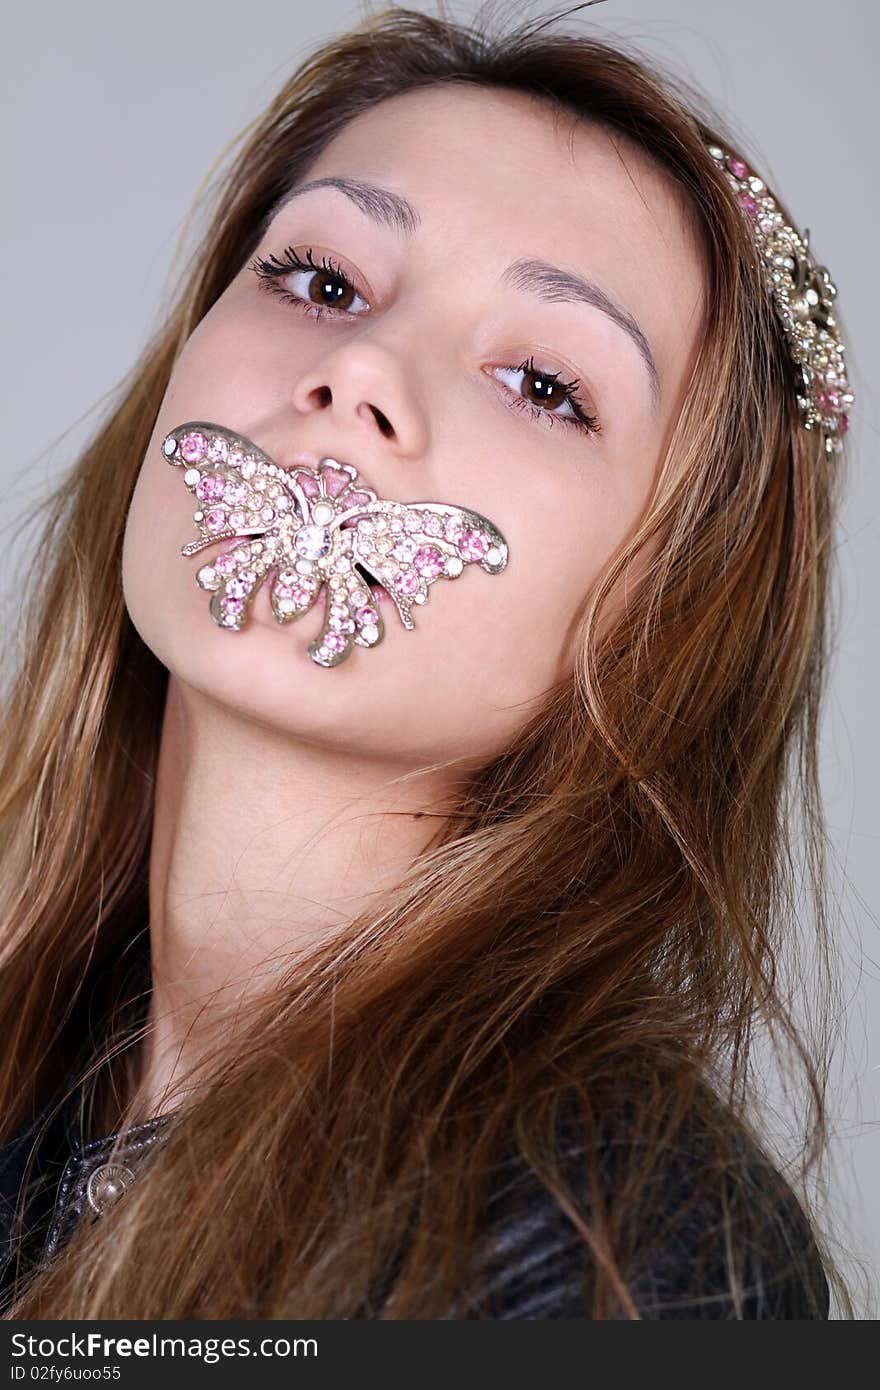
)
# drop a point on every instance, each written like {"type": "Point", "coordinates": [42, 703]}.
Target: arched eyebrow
{"type": "Point", "coordinates": [528, 275]}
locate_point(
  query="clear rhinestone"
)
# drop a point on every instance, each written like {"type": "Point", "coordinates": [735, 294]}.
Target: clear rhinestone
{"type": "Point", "coordinates": [312, 542]}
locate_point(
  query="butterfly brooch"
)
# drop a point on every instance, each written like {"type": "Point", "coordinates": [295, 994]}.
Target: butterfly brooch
{"type": "Point", "coordinates": [306, 530]}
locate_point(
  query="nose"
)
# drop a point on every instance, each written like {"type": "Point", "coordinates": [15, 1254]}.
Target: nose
{"type": "Point", "coordinates": [368, 406]}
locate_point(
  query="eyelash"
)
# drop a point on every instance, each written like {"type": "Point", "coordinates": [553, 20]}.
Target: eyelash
{"type": "Point", "coordinates": [269, 273]}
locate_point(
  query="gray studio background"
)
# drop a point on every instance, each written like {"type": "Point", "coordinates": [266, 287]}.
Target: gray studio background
{"type": "Point", "coordinates": [112, 115]}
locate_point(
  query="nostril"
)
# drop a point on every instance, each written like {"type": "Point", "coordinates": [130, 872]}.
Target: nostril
{"type": "Point", "coordinates": [383, 422]}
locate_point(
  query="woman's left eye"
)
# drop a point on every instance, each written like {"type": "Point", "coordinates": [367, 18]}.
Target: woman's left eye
{"type": "Point", "coordinates": [330, 291]}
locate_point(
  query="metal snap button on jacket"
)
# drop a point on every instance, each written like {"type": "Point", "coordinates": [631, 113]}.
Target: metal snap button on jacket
{"type": "Point", "coordinates": [106, 1185]}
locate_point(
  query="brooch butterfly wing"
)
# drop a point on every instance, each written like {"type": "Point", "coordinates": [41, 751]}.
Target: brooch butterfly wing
{"type": "Point", "coordinates": [305, 530]}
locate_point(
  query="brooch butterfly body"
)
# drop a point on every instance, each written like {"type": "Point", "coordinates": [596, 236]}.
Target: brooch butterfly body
{"type": "Point", "coordinates": [305, 530]}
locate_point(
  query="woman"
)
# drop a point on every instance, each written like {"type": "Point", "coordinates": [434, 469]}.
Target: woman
{"type": "Point", "coordinates": [419, 982]}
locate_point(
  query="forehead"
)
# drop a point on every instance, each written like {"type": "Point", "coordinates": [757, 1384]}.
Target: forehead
{"type": "Point", "coordinates": [504, 174]}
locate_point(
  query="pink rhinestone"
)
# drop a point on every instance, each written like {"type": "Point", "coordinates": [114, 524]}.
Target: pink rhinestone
{"type": "Point", "coordinates": [428, 561]}
{"type": "Point", "coordinates": [406, 582]}
{"type": "Point", "coordinates": [473, 545]}
{"type": "Point", "coordinates": [301, 596]}
{"type": "Point", "coordinates": [224, 564]}
{"type": "Point", "coordinates": [356, 499]}
{"type": "Point", "coordinates": [833, 398]}
{"type": "Point", "coordinates": [247, 576]}
{"type": "Point", "coordinates": [193, 446]}
{"type": "Point", "coordinates": [283, 591]}
{"type": "Point", "coordinates": [210, 487]}
{"type": "Point", "coordinates": [215, 520]}
{"type": "Point", "coordinates": [287, 576]}
{"type": "Point", "coordinates": [231, 605]}
{"type": "Point", "coordinates": [217, 449]}
{"type": "Point", "coordinates": [737, 167]}
{"type": "Point", "coordinates": [367, 616]}
{"type": "Point", "coordinates": [308, 484]}
{"type": "Point", "coordinates": [336, 641]}
{"type": "Point", "coordinates": [235, 458]}
{"type": "Point", "coordinates": [334, 481]}
{"type": "Point", "coordinates": [749, 203]}
{"type": "Point", "coordinates": [842, 423]}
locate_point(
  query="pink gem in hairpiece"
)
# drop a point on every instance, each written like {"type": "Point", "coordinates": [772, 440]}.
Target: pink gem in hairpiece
{"type": "Point", "coordinates": [803, 295]}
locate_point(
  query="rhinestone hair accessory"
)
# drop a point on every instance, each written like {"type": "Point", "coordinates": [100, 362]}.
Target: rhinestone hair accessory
{"type": "Point", "coordinates": [803, 294]}
{"type": "Point", "coordinates": [308, 529]}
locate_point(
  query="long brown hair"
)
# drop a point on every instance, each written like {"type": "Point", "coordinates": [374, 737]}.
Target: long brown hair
{"type": "Point", "coordinates": [597, 927]}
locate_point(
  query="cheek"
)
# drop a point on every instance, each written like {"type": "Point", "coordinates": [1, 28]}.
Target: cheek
{"type": "Point", "coordinates": [224, 372]}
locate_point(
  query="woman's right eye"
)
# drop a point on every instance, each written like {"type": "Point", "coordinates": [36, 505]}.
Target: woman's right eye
{"type": "Point", "coordinates": [326, 284]}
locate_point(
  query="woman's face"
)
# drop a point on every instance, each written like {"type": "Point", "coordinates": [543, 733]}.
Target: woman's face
{"type": "Point", "coordinates": [430, 376]}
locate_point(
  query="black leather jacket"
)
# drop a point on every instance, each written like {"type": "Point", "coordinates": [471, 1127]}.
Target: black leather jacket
{"type": "Point", "coordinates": [535, 1256]}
